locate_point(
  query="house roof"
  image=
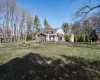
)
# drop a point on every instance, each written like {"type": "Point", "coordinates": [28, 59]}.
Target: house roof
{"type": "Point", "coordinates": [46, 32]}
{"type": "Point", "coordinates": [41, 34]}
{"type": "Point", "coordinates": [50, 30]}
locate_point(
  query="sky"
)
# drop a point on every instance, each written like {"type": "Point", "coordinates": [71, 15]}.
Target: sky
{"type": "Point", "coordinates": [56, 12]}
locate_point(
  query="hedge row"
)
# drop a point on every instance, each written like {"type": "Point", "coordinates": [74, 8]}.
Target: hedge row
{"type": "Point", "coordinates": [81, 38]}
{"type": "Point", "coordinates": [77, 38]}
{"type": "Point", "coordinates": [67, 37]}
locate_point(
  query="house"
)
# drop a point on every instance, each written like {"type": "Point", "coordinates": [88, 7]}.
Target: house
{"type": "Point", "coordinates": [52, 35]}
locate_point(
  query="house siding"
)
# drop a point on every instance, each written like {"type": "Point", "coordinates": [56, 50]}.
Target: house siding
{"type": "Point", "coordinates": [53, 35]}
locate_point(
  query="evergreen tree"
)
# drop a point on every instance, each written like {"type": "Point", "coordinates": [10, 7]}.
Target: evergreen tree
{"type": "Point", "coordinates": [46, 24]}
{"type": "Point", "coordinates": [37, 23]}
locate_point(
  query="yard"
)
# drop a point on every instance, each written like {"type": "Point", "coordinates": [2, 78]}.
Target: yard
{"type": "Point", "coordinates": [9, 51]}
{"type": "Point", "coordinates": [77, 61]}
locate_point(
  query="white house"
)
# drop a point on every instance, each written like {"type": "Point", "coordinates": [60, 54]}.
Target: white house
{"type": "Point", "coordinates": [51, 35]}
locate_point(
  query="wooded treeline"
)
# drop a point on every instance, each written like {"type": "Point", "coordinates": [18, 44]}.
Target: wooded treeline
{"type": "Point", "coordinates": [17, 24]}
{"type": "Point", "coordinates": [87, 20]}
{"type": "Point", "coordinates": [89, 26]}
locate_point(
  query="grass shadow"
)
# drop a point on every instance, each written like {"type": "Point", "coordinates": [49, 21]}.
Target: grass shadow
{"type": "Point", "coordinates": [36, 67]}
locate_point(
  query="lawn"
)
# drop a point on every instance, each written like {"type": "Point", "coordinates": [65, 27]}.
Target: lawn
{"type": "Point", "coordinates": [77, 61]}
{"type": "Point", "coordinates": [9, 51]}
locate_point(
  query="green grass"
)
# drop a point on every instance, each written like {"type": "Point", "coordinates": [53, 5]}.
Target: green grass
{"type": "Point", "coordinates": [9, 51]}
{"type": "Point", "coordinates": [86, 63]}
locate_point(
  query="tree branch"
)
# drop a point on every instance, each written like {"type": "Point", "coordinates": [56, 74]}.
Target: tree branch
{"type": "Point", "coordinates": [81, 11]}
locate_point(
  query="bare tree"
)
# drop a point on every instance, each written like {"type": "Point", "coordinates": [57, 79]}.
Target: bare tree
{"type": "Point", "coordinates": [16, 15]}
{"type": "Point", "coordinates": [86, 9]}
{"type": "Point", "coordinates": [29, 26]}
{"type": "Point", "coordinates": [6, 16]}
{"type": "Point", "coordinates": [12, 15]}
{"type": "Point", "coordinates": [16, 21]}
{"type": "Point", "coordinates": [76, 28]}
{"type": "Point", "coordinates": [33, 29]}
{"type": "Point", "coordinates": [22, 23]}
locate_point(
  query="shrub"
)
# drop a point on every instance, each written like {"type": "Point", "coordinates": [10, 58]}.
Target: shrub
{"type": "Point", "coordinates": [24, 44]}
{"type": "Point", "coordinates": [82, 38]}
{"type": "Point", "coordinates": [78, 37]}
{"type": "Point", "coordinates": [67, 37]}
{"type": "Point", "coordinates": [75, 38]}
{"type": "Point", "coordinates": [87, 38]}
{"type": "Point", "coordinates": [29, 37]}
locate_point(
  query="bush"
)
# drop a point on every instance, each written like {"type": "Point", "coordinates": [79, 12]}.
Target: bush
{"type": "Point", "coordinates": [29, 37]}
{"type": "Point", "coordinates": [82, 38]}
{"type": "Point", "coordinates": [75, 38]}
{"type": "Point", "coordinates": [87, 38]}
{"type": "Point", "coordinates": [78, 37]}
{"type": "Point", "coordinates": [24, 44]}
{"type": "Point", "coordinates": [67, 37]}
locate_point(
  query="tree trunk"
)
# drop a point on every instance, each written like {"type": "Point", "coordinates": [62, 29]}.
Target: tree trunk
{"type": "Point", "coordinates": [11, 34]}
{"type": "Point", "coordinates": [21, 38]}
{"type": "Point", "coordinates": [4, 33]}
{"type": "Point", "coordinates": [19, 35]}
{"type": "Point", "coordinates": [14, 33]}
{"type": "Point", "coordinates": [90, 40]}
{"type": "Point", "coordinates": [26, 37]}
